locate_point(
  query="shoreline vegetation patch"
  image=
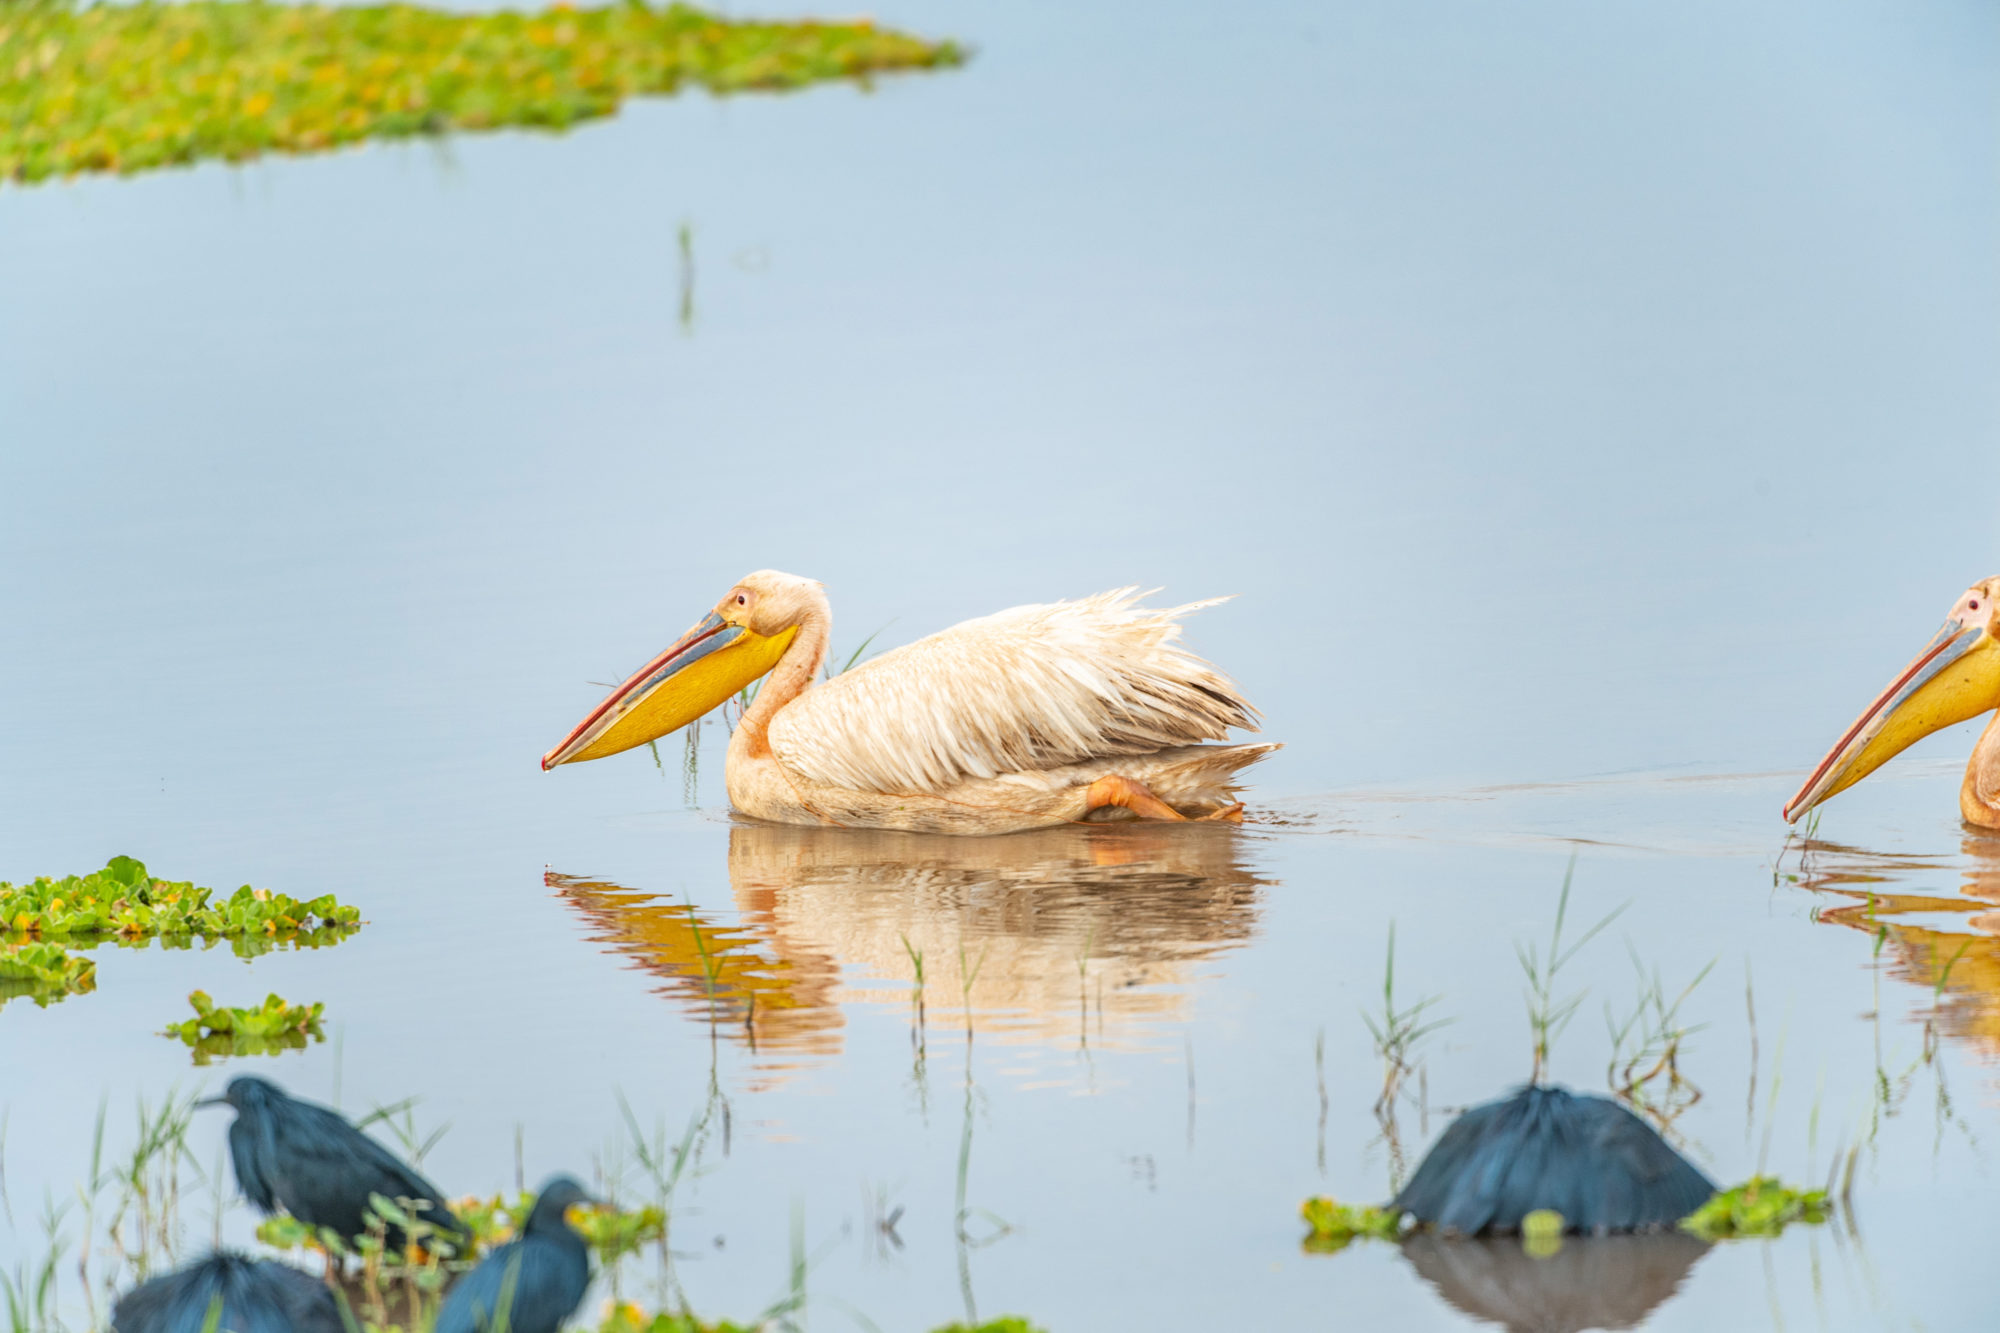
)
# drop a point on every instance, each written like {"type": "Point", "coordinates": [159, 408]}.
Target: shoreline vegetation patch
{"type": "Point", "coordinates": [130, 87]}
{"type": "Point", "coordinates": [133, 1225]}
{"type": "Point", "coordinates": [42, 921]}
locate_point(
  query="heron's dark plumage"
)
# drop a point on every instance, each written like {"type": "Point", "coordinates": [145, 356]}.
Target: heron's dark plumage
{"type": "Point", "coordinates": [322, 1170]}
{"type": "Point", "coordinates": [1586, 1157]}
{"type": "Point", "coordinates": [253, 1295]}
{"type": "Point", "coordinates": [544, 1271]}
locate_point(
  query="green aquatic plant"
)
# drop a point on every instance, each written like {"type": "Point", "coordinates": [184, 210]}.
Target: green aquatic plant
{"type": "Point", "coordinates": [124, 903]}
{"type": "Point", "coordinates": [1398, 1031]}
{"type": "Point", "coordinates": [30, 1295]}
{"type": "Point", "coordinates": [43, 973]}
{"type": "Point", "coordinates": [1006, 1323]}
{"type": "Point", "coordinates": [128, 87]}
{"type": "Point", "coordinates": [274, 1026]}
{"type": "Point", "coordinates": [1336, 1225]}
{"type": "Point", "coordinates": [1760, 1206]}
{"type": "Point", "coordinates": [1646, 1047]}
{"type": "Point", "coordinates": [1549, 1013]}
{"type": "Point", "coordinates": [1396, 1036]}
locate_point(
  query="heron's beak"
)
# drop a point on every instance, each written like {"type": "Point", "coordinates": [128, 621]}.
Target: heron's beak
{"type": "Point", "coordinates": [1957, 677]}
{"type": "Point", "coordinates": [712, 661]}
{"type": "Point", "coordinates": [211, 1101]}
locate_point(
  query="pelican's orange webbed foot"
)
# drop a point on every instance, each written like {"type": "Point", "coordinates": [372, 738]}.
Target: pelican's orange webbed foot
{"type": "Point", "coordinates": [1228, 814]}
{"type": "Point", "coordinates": [1129, 793]}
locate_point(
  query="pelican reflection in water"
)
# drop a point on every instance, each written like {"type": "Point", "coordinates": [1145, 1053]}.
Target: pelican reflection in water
{"type": "Point", "coordinates": [1038, 716]}
{"type": "Point", "coordinates": [1101, 925]}
{"type": "Point", "coordinates": [1944, 943]}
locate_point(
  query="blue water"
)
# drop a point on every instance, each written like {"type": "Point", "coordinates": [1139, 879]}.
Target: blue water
{"type": "Point", "coordinates": [1589, 406]}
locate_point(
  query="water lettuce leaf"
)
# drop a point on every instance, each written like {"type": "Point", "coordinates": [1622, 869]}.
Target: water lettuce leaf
{"type": "Point", "coordinates": [1760, 1206]}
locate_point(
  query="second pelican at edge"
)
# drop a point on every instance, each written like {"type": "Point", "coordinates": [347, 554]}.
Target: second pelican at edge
{"type": "Point", "coordinates": [1954, 679]}
{"type": "Point", "coordinates": [1037, 716]}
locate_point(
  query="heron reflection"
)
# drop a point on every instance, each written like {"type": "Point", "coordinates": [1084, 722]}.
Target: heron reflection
{"type": "Point", "coordinates": [1103, 925]}
{"type": "Point", "coordinates": [1590, 1282]}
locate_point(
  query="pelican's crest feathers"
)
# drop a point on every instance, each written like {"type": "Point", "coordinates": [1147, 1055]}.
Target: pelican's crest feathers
{"type": "Point", "coordinates": [1020, 691]}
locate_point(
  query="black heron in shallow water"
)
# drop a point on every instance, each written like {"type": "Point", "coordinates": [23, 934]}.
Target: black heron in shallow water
{"type": "Point", "coordinates": [538, 1278]}
{"type": "Point", "coordinates": [321, 1169]}
{"type": "Point", "coordinates": [1585, 1157]}
{"type": "Point", "coordinates": [248, 1295]}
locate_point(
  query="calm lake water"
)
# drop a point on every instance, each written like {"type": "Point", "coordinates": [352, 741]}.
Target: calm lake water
{"type": "Point", "coordinates": [1590, 405]}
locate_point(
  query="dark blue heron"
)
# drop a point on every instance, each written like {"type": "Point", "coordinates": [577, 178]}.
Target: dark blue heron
{"type": "Point", "coordinates": [1587, 1158]}
{"type": "Point", "coordinates": [538, 1278]}
{"type": "Point", "coordinates": [249, 1295]}
{"type": "Point", "coordinates": [321, 1169]}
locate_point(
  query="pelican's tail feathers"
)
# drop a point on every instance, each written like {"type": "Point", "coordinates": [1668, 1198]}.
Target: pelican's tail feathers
{"type": "Point", "coordinates": [1196, 779]}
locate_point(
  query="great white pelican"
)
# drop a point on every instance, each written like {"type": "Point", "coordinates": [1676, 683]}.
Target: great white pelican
{"type": "Point", "coordinates": [1955, 678]}
{"type": "Point", "coordinates": [1042, 715]}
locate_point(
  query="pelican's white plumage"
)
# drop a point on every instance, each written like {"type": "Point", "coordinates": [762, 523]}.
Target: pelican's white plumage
{"type": "Point", "coordinates": [1019, 691]}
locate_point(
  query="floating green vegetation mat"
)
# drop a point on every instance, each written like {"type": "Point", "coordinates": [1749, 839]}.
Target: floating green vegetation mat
{"type": "Point", "coordinates": [42, 921]}
{"type": "Point", "coordinates": [129, 87]}
{"type": "Point", "coordinates": [1336, 1225]}
{"type": "Point", "coordinates": [1006, 1323]}
{"type": "Point", "coordinates": [44, 973]}
{"type": "Point", "coordinates": [222, 1030]}
{"type": "Point", "coordinates": [1760, 1206]}
{"type": "Point", "coordinates": [122, 902]}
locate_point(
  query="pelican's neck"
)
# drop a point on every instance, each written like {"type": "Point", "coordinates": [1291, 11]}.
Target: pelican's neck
{"type": "Point", "coordinates": [1979, 794]}
{"type": "Point", "coordinates": [788, 680]}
